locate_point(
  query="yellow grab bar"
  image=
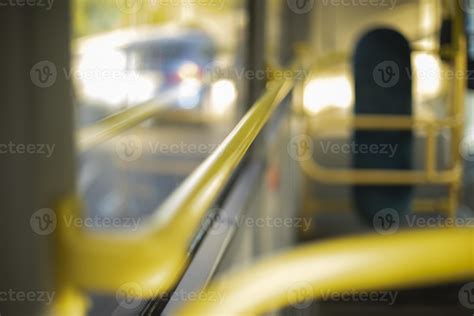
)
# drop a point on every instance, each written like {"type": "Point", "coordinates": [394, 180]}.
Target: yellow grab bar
{"type": "Point", "coordinates": [111, 126]}
{"type": "Point", "coordinates": [377, 177]}
{"type": "Point", "coordinates": [338, 57]}
{"type": "Point", "coordinates": [154, 257]}
{"type": "Point", "coordinates": [355, 264]}
{"type": "Point", "coordinates": [382, 122]}
{"type": "Point", "coordinates": [385, 177]}
{"type": "Point", "coordinates": [430, 175]}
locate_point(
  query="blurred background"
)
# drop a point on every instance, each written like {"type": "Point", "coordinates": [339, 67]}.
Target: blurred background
{"type": "Point", "coordinates": [185, 58]}
{"type": "Point", "coordinates": [175, 77]}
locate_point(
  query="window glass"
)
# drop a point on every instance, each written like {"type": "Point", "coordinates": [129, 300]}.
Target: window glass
{"type": "Point", "coordinates": [182, 57]}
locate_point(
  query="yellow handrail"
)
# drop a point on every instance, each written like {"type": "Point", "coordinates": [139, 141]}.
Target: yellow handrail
{"type": "Point", "coordinates": [376, 176]}
{"type": "Point", "coordinates": [379, 122]}
{"type": "Point", "coordinates": [338, 57]}
{"type": "Point", "coordinates": [383, 122]}
{"type": "Point", "coordinates": [154, 257]}
{"type": "Point", "coordinates": [113, 125]}
{"type": "Point", "coordinates": [354, 264]}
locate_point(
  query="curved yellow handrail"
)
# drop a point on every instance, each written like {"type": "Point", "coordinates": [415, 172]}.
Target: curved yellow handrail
{"type": "Point", "coordinates": [430, 175]}
{"type": "Point", "coordinates": [382, 122]}
{"type": "Point", "coordinates": [338, 57]}
{"type": "Point", "coordinates": [153, 258]}
{"type": "Point", "coordinates": [377, 177]}
{"type": "Point", "coordinates": [386, 177]}
{"type": "Point", "coordinates": [355, 264]}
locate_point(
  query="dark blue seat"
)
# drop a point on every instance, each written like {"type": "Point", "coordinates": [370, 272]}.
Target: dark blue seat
{"type": "Point", "coordinates": [383, 86]}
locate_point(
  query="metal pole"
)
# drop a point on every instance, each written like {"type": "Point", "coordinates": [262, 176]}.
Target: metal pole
{"type": "Point", "coordinates": [36, 150]}
{"type": "Point", "coordinates": [255, 49]}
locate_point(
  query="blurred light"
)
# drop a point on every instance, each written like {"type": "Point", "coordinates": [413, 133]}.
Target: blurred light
{"type": "Point", "coordinates": [428, 16]}
{"type": "Point", "coordinates": [223, 95]}
{"type": "Point", "coordinates": [324, 92]}
{"type": "Point", "coordinates": [189, 93]}
{"type": "Point", "coordinates": [188, 71]}
{"type": "Point", "coordinates": [427, 75]}
{"type": "Point", "coordinates": [115, 92]}
{"type": "Point", "coordinates": [140, 89]}
{"type": "Point", "coordinates": [428, 24]}
{"type": "Point", "coordinates": [102, 91]}
{"type": "Point", "coordinates": [94, 59]}
{"type": "Point", "coordinates": [92, 76]}
{"type": "Point", "coordinates": [103, 77]}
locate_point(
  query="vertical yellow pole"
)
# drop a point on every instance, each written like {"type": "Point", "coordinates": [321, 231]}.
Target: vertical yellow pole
{"type": "Point", "coordinates": [431, 152]}
{"type": "Point", "coordinates": [457, 109]}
